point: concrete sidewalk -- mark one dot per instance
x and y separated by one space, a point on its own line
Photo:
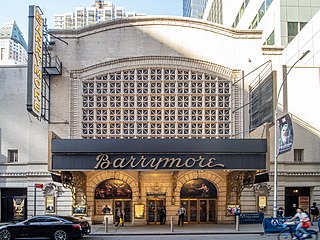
187 229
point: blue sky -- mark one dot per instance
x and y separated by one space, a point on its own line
18 9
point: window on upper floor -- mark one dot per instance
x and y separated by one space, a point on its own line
268 3
302 24
270 40
294 28
298 155
12 155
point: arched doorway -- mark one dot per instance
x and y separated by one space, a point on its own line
114 193
199 197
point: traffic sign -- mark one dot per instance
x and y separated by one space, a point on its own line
38 185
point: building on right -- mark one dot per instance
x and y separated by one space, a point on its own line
290 28
194 8
280 20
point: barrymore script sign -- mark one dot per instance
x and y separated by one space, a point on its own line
147 161
104 161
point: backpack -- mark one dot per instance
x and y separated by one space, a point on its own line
314 210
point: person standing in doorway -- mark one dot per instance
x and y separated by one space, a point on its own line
163 213
314 212
181 213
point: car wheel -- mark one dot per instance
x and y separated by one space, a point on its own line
5 235
60 235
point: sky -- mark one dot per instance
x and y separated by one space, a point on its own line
18 9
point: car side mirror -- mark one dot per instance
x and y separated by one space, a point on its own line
26 223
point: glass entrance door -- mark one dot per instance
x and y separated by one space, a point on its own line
193 211
200 210
203 210
124 205
154 208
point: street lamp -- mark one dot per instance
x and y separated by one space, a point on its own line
275 179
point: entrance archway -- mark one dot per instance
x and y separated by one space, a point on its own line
199 197
112 194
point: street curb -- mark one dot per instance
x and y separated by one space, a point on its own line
172 233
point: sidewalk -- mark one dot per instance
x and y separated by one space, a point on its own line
187 229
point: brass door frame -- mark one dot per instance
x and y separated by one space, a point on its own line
157 218
198 209
122 200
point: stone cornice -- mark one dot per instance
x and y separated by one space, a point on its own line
24 174
149 61
311 174
295 163
22 163
157 20
272 50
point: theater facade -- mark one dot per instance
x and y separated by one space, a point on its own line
148 113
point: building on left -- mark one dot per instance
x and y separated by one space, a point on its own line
26 186
13 47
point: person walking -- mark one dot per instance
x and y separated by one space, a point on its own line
314 212
120 217
181 213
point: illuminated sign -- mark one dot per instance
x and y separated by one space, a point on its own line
35 61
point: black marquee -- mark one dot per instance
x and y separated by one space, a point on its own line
158 154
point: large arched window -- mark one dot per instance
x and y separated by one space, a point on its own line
198 188
110 189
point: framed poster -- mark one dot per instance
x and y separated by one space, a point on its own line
233 209
139 210
18 209
103 206
79 210
50 204
262 203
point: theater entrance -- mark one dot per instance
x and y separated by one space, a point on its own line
114 195
154 209
200 210
199 196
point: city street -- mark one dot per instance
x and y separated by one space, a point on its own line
188 237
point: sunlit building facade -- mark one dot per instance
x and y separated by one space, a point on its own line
161 110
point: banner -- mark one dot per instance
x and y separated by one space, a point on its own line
273 225
285 138
251 217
